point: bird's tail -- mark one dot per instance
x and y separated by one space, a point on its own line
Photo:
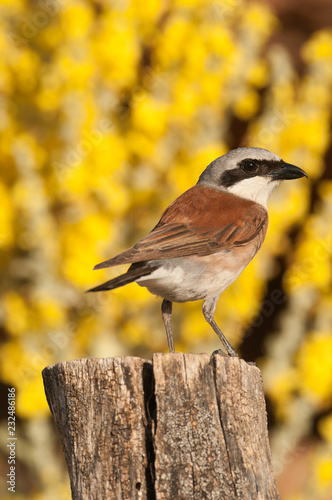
122 280
134 272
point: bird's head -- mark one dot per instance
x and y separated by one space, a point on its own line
251 173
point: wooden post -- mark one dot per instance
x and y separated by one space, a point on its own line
186 426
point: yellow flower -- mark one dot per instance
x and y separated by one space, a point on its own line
17 313
79 242
5 79
314 363
6 217
246 105
140 143
319 47
25 65
145 13
219 41
48 99
49 312
183 175
150 116
190 3
312 266
31 401
324 470
281 390
115 50
259 19
178 33
13 363
258 74
325 428
76 20
185 100
194 328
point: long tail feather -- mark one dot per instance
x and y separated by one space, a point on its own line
122 280
131 275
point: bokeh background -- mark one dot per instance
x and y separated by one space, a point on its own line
108 111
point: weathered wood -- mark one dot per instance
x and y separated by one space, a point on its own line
191 457
242 411
186 426
99 410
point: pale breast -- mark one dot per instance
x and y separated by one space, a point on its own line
197 277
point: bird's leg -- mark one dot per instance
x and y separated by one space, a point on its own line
166 311
209 307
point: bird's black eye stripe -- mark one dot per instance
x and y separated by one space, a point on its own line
249 166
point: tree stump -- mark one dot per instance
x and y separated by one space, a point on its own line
185 426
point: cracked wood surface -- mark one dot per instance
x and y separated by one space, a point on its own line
186 426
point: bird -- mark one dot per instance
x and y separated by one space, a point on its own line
207 236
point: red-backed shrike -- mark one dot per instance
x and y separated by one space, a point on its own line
207 236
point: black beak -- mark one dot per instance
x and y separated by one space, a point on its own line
287 171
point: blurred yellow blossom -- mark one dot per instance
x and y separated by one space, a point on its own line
259 19
314 362
177 34
31 401
247 105
258 74
78 248
76 20
150 117
118 66
6 217
324 470
146 11
49 312
318 47
282 390
16 313
325 428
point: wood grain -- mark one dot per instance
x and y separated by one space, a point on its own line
186 426
99 410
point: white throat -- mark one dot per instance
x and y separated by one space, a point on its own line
257 189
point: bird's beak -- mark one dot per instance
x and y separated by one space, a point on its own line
287 171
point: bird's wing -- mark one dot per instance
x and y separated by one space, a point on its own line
201 221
